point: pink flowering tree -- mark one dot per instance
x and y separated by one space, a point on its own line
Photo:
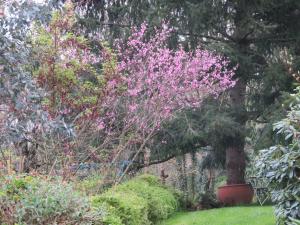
117 102
158 83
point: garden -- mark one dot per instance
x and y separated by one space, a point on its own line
130 112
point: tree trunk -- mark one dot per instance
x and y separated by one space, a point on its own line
235 165
193 175
235 155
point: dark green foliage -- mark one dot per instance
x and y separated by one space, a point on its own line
190 131
280 165
143 200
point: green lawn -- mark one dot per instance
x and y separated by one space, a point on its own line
252 215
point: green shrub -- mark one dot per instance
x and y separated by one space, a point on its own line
150 179
155 181
161 202
178 195
15 186
129 207
140 201
111 216
27 200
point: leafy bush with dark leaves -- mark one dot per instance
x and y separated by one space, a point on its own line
280 165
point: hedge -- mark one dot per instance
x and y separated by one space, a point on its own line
140 201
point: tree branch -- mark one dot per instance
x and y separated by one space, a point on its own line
219 39
154 162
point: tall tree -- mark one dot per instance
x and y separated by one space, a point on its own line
254 34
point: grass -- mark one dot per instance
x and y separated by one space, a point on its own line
252 215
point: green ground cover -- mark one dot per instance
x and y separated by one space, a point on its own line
252 215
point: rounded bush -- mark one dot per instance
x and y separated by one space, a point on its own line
161 202
150 179
140 201
128 206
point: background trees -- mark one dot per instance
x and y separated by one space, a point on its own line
250 33
107 102
22 116
164 85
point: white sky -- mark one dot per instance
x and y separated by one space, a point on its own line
39 1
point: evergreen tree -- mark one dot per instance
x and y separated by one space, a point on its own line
261 36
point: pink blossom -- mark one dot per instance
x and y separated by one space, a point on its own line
133 92
101 125
132 108
161 82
